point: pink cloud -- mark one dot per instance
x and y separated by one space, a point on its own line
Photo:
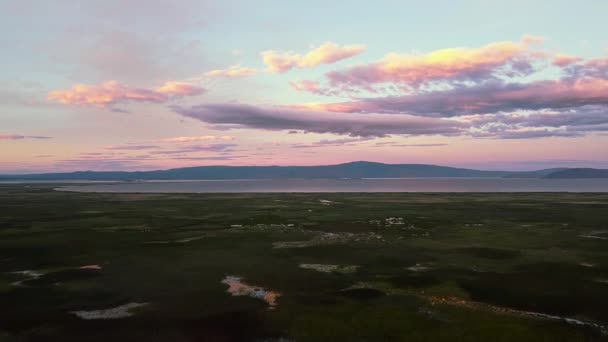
529 39
415 70
306 86
132 147
488 97
279 62
173 88
561 60
340 107
333 142
222 147
235 116
328 53
597 67
200 138
232 72
113 92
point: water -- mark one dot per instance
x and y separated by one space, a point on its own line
353 185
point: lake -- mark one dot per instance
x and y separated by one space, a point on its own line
351 185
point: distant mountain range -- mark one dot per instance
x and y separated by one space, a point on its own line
579 173
360 169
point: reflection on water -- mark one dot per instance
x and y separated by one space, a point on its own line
237 287
354 185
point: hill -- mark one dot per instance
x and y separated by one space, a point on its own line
578 173
534 174
360 169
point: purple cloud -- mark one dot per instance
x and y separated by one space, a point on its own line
132 147
332 142
198 148
232 116
489 97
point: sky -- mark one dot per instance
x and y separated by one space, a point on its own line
158 84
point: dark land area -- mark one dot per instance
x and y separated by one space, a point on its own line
302 267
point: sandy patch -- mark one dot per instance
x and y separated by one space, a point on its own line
164 242
503 310
418 268
325 268
275 227
594 237
91 267
122 311
391 221
31 275
322 238
237 287
394 221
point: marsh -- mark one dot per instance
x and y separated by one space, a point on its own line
287 266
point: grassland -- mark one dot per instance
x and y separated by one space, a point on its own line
339 267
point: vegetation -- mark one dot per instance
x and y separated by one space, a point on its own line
339 267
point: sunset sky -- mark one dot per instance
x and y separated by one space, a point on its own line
151 84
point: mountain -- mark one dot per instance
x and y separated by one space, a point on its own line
578 173
534 174
360 169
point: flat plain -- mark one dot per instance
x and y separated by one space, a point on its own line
302 267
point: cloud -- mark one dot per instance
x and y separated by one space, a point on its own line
173 88
230 116
199 138
157 16
504 59
232 72
112 92
209 158
583 116
332 142
5 136
279 62
106 52
561 60
313 87
526 133
488 97
327 53
569 106
198 148
596 68
393 144
16 94
537 124
132 147
99 39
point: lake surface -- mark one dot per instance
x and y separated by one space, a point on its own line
352 185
